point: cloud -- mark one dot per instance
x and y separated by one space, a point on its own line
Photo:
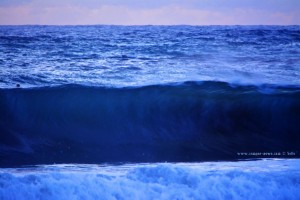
165 12
271 5
6 3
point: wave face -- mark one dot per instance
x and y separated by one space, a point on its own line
262 179
192 121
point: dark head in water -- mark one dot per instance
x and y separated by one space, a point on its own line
18 85
124 57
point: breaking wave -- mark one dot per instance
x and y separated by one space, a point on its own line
191 121
263 179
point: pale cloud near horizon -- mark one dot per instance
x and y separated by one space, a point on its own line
163 12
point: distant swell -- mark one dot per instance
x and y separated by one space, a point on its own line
181 122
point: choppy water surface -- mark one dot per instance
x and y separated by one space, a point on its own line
35 56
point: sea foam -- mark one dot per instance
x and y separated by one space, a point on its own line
262 179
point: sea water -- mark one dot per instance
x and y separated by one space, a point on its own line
261 179
36 56
149 112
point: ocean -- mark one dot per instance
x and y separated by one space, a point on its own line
149 112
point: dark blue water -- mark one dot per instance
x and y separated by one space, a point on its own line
96 94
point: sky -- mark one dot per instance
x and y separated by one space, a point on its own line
150 12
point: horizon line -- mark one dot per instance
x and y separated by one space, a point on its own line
149 25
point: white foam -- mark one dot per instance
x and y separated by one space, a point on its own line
263 179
